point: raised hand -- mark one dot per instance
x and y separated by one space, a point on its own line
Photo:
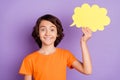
87 33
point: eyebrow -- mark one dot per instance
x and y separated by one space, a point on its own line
44 26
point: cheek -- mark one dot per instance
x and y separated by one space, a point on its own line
55 34
40 34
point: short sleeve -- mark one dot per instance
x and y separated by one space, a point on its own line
26 67
70 59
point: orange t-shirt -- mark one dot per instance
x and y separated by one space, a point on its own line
47 67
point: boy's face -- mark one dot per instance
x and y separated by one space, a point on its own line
47 32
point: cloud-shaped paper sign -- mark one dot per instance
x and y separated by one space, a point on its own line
93 17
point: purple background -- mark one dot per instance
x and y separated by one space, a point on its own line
17 18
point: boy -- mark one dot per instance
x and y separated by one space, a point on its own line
50 62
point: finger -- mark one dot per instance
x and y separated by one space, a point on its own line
85 30
89 30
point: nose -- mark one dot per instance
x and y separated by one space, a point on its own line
47 32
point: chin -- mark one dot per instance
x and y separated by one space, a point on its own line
48 44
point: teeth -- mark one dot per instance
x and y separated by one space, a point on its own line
47 38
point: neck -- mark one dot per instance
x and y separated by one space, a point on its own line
47 49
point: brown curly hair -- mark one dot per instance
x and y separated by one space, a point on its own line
55 21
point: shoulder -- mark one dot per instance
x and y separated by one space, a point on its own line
64 51
31 56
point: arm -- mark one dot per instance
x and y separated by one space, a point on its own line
27 77
84 67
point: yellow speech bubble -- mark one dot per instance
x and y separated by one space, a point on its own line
92 17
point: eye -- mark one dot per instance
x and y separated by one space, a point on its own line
42 29
52 30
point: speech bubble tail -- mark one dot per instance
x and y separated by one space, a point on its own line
72 24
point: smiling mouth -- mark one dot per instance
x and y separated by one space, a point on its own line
47 38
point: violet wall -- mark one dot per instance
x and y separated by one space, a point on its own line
17 18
